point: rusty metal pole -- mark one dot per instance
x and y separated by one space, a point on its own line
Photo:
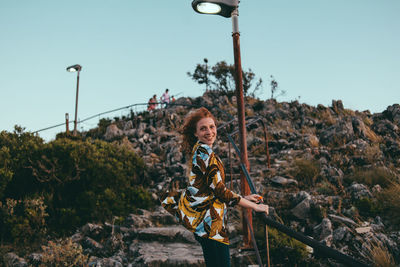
76 102
244 187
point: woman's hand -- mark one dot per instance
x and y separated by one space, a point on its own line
254 198
261 208
249 203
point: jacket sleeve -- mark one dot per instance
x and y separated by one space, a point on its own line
206 166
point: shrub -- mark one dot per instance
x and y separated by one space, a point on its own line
382 176
63 253
24 221
368 207
389 202
306 171
5 169
282 248
80 180
326 188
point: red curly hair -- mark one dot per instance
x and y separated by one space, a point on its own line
189 127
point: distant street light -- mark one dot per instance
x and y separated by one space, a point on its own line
76 68
229 8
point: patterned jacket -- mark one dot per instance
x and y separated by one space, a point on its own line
201 207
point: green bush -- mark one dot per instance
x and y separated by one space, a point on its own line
282 248
306 171
80 180
389 203
24 221
368 207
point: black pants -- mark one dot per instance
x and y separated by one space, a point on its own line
216 254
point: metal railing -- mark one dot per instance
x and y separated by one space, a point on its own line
317 246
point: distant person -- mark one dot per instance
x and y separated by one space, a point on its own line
152 104
165 98
172 99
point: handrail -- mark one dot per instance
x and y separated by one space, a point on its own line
139 104
321 248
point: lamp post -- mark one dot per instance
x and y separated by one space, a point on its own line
75 68
229 8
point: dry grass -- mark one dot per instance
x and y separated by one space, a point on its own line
306 171
389 200
372 153
380 256
327 117
381 176
372 136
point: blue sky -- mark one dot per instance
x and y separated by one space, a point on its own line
317 50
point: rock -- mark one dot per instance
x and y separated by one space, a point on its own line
333 174
359 191
112 131
283 181
128 125
341 219
301 211
105 262
363 230
35 259
393 113
300 196
359 127
12 260
324 229
166 234
137 221
92 247
166 254
341 132
340 233
92 230
337 106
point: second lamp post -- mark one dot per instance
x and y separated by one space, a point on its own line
76 68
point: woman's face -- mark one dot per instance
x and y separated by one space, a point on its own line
206 131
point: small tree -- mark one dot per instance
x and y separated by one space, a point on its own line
275 89
221 77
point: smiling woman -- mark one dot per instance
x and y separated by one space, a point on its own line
202 206
206 131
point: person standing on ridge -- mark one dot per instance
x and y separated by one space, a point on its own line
165 98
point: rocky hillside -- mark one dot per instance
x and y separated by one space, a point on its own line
334 176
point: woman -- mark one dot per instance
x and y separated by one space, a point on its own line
202 205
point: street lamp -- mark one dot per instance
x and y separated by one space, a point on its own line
76 68
215 7
229 8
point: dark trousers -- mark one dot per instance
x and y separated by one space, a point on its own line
216 254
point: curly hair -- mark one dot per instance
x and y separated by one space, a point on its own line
189 127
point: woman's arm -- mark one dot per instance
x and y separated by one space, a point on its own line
244 203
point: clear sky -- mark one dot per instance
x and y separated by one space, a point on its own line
317 50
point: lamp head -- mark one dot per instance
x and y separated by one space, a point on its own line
74 68
216 7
